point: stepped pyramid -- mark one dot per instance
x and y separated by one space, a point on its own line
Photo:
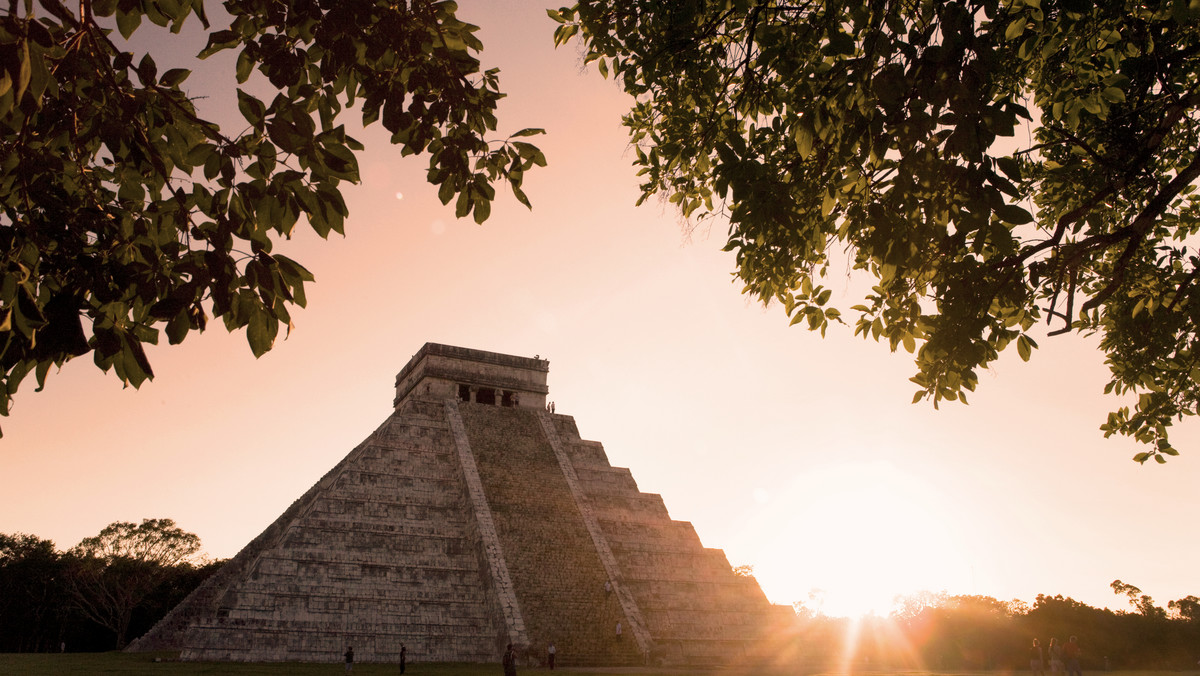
473 518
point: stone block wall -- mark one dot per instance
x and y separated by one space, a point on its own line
377 555
436 371
695 608
556 571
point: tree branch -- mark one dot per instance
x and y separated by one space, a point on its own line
1136 231
1060 229
1066 133
1187 281
1070 305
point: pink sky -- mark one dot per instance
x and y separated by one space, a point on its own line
800 456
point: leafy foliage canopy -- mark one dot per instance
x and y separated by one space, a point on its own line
124 211
987 163
113 572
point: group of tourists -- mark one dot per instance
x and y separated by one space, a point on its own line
1063 658
349 657
509 661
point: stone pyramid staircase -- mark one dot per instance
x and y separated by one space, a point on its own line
377 554
696 609
555 569
472 518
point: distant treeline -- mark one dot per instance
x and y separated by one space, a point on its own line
110 589
99 595
943 632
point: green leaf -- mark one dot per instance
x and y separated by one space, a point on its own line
24 72
252 109
135 365
177 328
1010 167
522 197
803 137
1011 213
463 206
563 33
828 203
132 192
245 65
261 331
147 71
1015 28
128 20
174 77
446 192
529 152
292 270
483 209
341 162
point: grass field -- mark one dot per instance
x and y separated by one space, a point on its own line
101 664
144 664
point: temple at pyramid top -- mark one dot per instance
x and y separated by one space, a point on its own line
478 376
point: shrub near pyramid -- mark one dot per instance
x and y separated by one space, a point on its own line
470 519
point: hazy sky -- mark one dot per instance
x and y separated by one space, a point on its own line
800 456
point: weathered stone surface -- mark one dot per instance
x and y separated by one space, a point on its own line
470 519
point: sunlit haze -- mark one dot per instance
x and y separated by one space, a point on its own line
800 456
879 531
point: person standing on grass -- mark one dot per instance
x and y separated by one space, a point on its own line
349 658
1055 650
510 661
1036 664
403 657
1071 653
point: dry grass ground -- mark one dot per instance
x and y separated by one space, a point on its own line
121 664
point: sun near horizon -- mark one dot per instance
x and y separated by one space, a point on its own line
865 533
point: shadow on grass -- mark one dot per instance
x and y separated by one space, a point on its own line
166 664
